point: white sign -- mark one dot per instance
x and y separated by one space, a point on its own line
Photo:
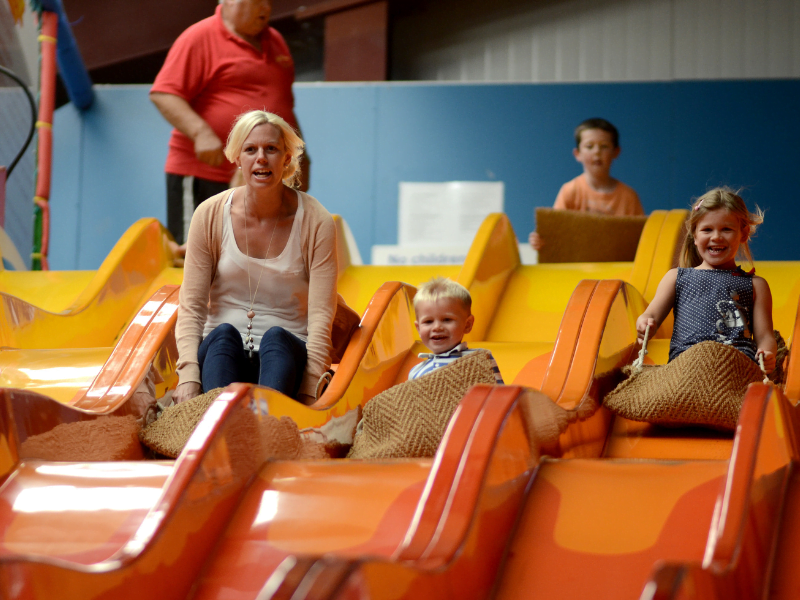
418 255
445 214
435 255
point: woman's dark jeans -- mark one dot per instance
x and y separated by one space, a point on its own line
279 363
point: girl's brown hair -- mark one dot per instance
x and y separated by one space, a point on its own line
721 197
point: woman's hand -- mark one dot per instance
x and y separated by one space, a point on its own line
641 326
769 359
306 399
186 391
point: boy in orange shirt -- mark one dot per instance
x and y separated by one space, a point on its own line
595 191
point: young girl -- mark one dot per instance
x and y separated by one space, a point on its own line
713 298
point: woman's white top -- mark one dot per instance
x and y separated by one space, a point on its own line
282 298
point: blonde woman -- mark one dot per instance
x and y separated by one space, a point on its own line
259 289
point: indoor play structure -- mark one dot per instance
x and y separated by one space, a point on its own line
611 509
630 508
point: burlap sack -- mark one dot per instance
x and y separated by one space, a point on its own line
170 432
409 419
705 385
544 420
282 440
571 236
101 439
269 437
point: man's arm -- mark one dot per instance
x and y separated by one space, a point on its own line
179 113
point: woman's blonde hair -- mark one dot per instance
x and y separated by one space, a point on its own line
441 287
721 197
246 122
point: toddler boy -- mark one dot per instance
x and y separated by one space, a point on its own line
443 311
595 191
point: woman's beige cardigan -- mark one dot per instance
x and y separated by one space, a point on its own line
318 244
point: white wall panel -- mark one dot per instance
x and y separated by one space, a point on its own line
520 56
795 41
598 40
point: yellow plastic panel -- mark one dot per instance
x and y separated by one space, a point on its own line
637 499
535 297
512 356
492 258
646 248
784 283
357 285
37 287
100 311
595 528
59 374
666 251
307 494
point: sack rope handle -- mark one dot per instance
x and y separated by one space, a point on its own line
639 362
763 370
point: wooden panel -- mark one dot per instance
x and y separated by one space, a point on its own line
356 43
112 31
282 9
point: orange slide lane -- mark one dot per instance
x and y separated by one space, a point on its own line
461 506
486 461
617 525
142 530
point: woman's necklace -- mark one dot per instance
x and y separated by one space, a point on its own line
248 340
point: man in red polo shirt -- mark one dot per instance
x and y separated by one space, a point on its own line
218 68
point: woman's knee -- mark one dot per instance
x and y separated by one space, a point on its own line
279 344
226 331
224 338
276 336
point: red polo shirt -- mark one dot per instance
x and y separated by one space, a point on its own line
221 76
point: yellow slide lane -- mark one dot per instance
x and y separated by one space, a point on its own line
57 328
518 308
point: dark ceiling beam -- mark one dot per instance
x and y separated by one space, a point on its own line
327 7
284 9
113 31
357 42
356 35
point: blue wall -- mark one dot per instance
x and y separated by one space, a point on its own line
678 139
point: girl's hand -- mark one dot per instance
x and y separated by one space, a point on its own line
769 359
186 391
641 326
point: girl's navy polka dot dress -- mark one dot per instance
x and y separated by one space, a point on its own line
716 305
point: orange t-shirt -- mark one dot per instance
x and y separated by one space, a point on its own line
578 195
